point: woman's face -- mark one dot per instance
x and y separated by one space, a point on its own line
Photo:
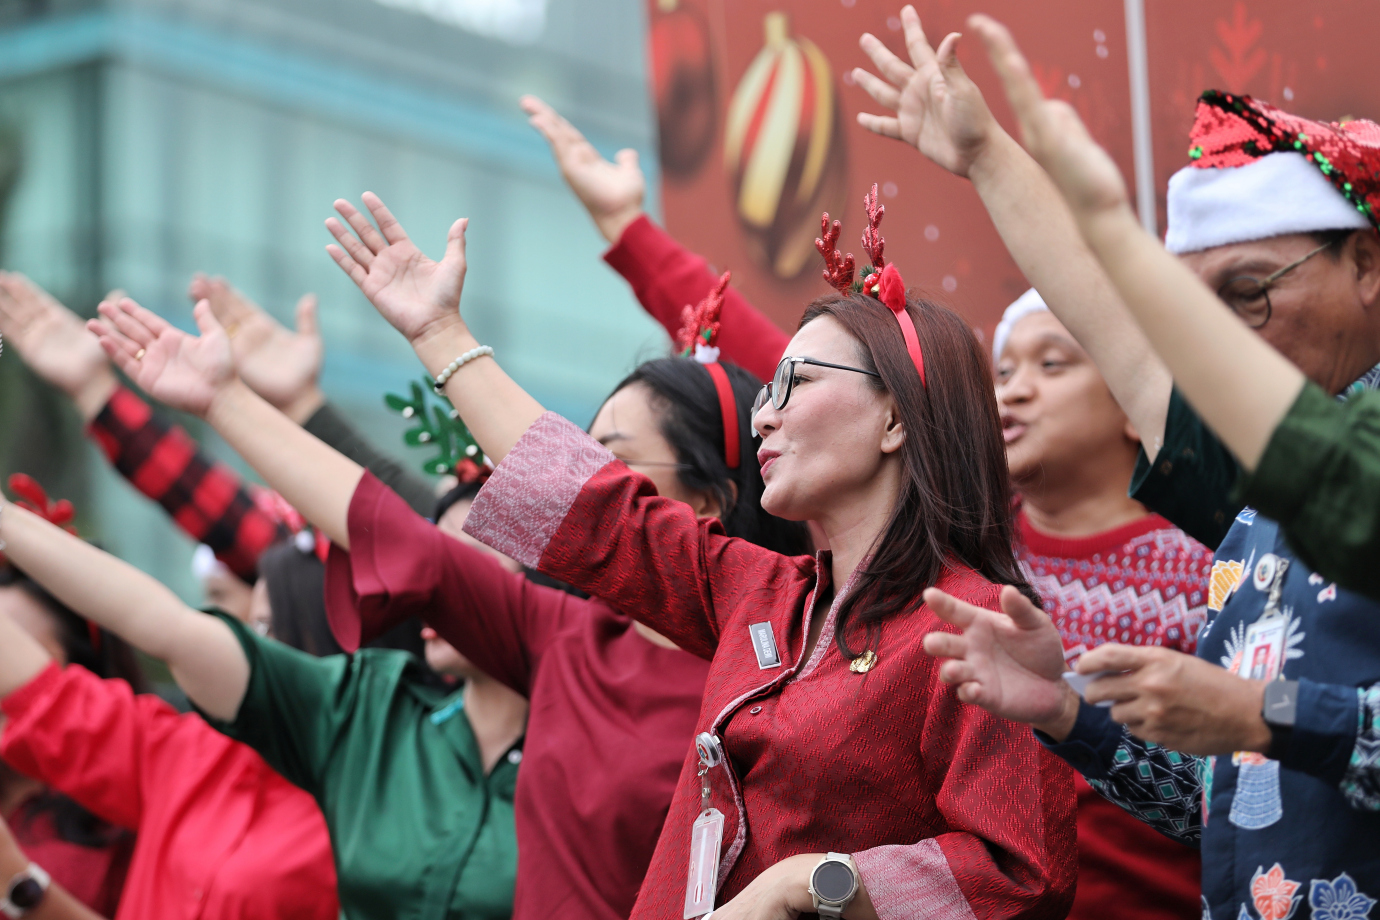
34 619
629 425
826 447
441 656
259 617
452 523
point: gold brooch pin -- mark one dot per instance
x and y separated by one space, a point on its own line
864 662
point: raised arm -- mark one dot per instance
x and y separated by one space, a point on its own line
57 903
1239 384
200 650
942 113
665 276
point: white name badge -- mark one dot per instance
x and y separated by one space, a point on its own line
1263 657
706 838
764 644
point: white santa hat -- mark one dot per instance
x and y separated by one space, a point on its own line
1028 303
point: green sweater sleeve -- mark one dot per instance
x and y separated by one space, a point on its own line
1320 478
328 424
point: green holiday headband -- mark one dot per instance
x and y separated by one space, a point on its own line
439 427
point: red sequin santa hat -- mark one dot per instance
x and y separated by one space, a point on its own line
698 339
32 497
881 279
1259 172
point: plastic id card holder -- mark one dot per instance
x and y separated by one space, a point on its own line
706 839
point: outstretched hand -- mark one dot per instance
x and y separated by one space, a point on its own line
280 365
183 371
54 343
1051 130
611 192
939 110
1008 663
418 296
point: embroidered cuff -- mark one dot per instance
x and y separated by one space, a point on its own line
521 506
1091 746
912 881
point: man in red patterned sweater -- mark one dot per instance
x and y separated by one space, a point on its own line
1106 568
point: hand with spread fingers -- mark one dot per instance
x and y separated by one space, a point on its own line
612 192
1178 701
280 365
1008 663
939 110
54 343
183 371
418 296
1052 131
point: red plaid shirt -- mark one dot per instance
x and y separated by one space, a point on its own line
208 500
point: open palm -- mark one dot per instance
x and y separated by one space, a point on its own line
180 370
51 339
274 361
1008 663
939 110
412 292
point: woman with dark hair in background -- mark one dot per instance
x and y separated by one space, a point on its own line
84 854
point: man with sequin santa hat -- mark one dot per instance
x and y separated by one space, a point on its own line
1265 748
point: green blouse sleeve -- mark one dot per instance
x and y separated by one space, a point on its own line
1191 481
1320 478
295 707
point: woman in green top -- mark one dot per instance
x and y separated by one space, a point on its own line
416 782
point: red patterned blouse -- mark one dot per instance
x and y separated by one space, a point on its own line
949 812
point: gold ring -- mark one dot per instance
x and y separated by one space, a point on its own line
231 329
139 356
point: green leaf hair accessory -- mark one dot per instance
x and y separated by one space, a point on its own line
439 427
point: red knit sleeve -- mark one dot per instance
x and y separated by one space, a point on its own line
206 499
85 737
666 277
562 503
1012 850
400 566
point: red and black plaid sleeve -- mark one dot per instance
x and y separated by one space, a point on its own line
208 500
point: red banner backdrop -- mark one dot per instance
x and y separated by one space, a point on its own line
759 133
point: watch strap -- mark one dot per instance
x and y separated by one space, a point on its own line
834 909
32 872
1279 709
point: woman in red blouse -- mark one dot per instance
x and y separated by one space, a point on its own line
825 727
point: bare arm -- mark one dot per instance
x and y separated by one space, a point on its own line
21 657
57 904
202 653
942 113
1239 385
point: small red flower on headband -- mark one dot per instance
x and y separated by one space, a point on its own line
467 471
32 497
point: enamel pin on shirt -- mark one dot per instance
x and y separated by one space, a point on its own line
706 835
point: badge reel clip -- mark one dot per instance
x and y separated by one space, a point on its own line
706 835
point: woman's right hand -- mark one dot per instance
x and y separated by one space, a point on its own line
611 192
418 296
1009 663
53 342
183 371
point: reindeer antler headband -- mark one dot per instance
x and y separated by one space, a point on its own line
698 336
880 279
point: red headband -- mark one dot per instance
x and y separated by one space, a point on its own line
881 279
698 334
32 497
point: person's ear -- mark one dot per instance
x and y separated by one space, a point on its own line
1365 248
894 435
1130 432
706 504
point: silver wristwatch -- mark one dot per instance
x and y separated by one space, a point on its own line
25 892
833 884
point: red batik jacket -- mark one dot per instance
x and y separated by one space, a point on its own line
949 812
206 499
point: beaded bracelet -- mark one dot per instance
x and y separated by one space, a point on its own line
440 385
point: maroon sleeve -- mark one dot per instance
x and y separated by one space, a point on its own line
206 499
666 278
400 566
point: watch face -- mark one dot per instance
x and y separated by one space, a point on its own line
833 881
27 894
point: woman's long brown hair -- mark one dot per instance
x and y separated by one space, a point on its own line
955 503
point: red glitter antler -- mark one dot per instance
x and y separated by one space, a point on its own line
838 268
872 238
33 498
700 323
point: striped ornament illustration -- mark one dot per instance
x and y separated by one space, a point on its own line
783 147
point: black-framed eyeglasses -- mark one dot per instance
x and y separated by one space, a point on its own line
1249 298
779 390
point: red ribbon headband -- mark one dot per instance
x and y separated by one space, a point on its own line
698 338
881 280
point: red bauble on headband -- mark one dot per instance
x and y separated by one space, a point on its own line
698 336
880 280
